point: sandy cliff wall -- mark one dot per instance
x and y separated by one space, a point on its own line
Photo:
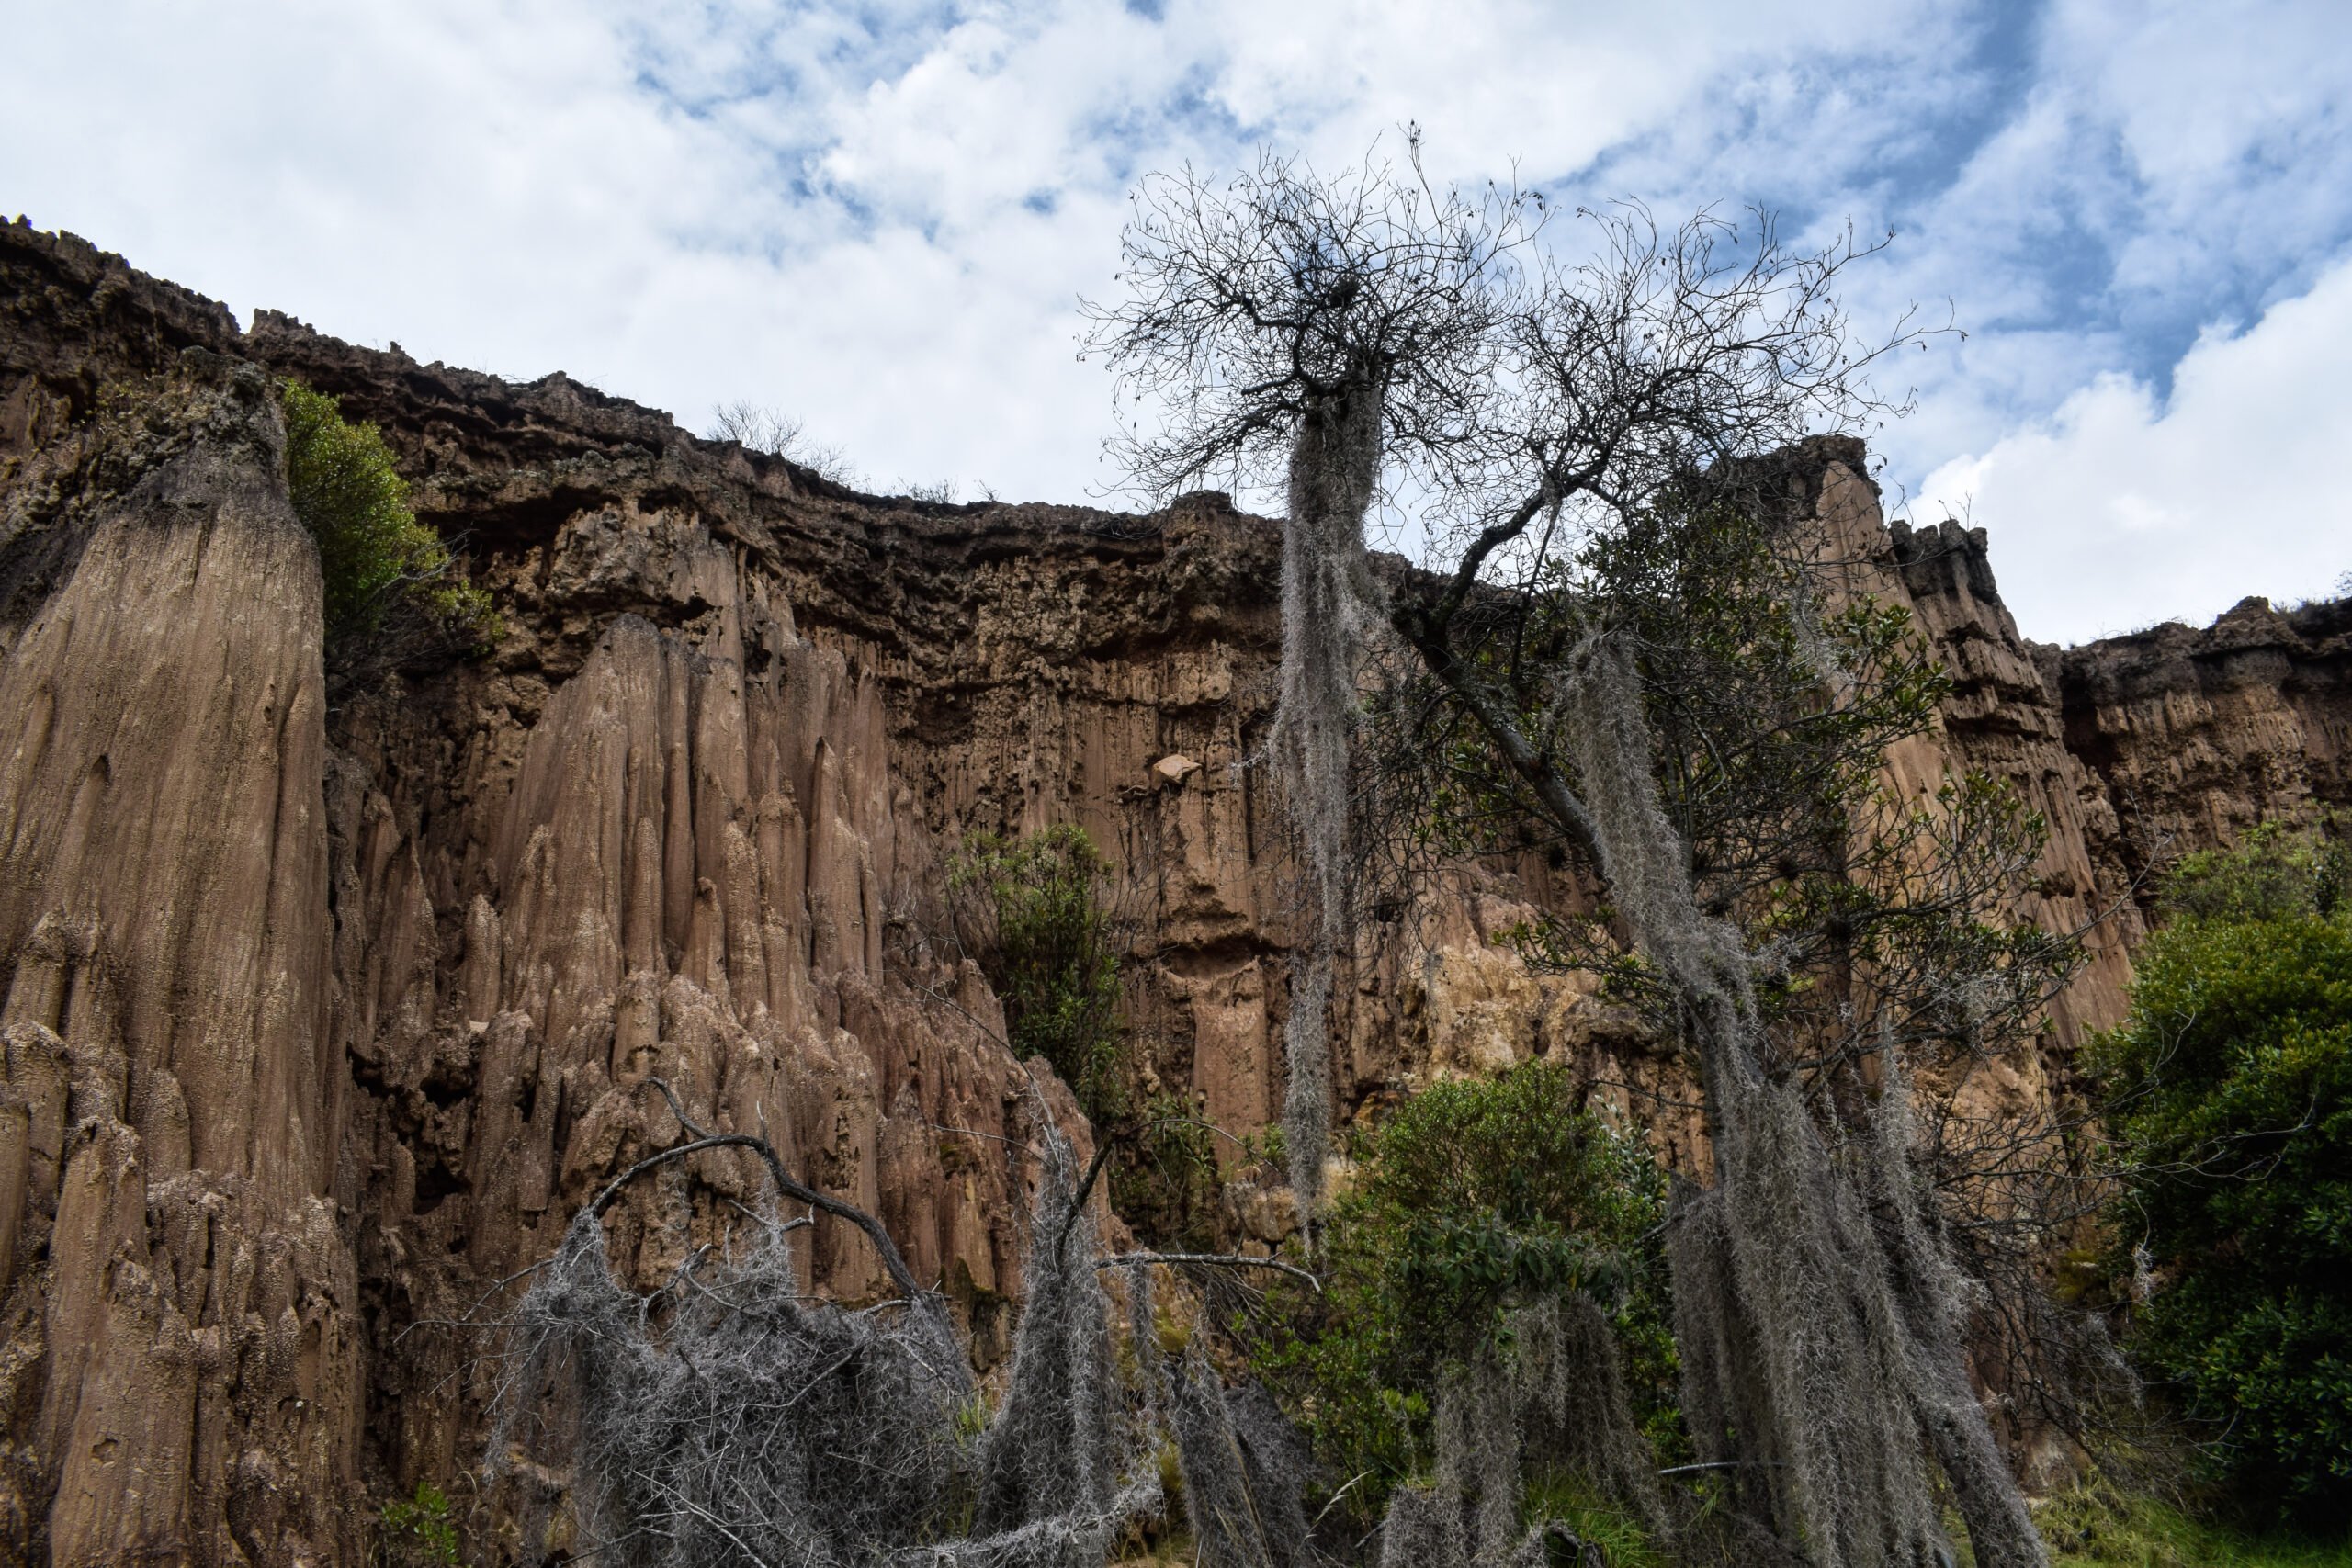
2198 734
318 1024
182 1352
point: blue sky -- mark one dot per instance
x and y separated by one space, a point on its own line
878 217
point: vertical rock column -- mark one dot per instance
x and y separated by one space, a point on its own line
180 1369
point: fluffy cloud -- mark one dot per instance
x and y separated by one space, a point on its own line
2126 508
880 217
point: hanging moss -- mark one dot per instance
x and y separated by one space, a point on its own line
1838 1344
1327 587
729 1418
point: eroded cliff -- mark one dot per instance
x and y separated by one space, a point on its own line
320 1024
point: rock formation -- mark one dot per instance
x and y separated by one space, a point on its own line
320 1024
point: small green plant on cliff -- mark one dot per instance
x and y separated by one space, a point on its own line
2229 1095
1470 1198
419 1531
1035 911
392 589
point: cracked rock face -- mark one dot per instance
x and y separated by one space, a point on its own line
184 1352
318 1025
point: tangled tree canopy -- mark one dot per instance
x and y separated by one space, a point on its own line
1626 649
729 1419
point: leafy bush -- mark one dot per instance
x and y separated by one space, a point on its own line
2274 875
2229 1094
1035 911
1468 1199
418 1531
383 570
1043 935
1164 1175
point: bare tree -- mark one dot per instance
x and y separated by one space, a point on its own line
1326 329
1628 656
779 434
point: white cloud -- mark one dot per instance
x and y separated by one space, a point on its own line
822 207
2123 509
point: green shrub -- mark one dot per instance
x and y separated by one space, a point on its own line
1164 1175
418 1531
2229 1095
1035 911
2274 875
379 566
1467 1199
1040 928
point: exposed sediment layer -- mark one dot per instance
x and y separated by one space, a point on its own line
320 1023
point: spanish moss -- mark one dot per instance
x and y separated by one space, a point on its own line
1545 1396
727 1418
1327 587
1817 1307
